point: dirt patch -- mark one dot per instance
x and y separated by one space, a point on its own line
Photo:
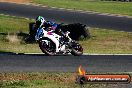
16 1
12 38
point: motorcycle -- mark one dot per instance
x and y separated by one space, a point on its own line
49 43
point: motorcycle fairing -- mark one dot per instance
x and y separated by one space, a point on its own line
49 34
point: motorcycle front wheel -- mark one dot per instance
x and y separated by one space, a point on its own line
48 49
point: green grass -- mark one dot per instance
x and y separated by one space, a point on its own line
123 8
10 26
101 41
108 41
46 80
13 24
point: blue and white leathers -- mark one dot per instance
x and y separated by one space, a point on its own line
39 34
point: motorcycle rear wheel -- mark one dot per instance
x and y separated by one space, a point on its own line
77 49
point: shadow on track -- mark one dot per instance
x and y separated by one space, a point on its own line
7 53
23 54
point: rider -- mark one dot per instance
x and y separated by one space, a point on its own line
50 25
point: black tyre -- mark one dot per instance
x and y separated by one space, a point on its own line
81 80
76 30
32 29
77 49
85 33
49 49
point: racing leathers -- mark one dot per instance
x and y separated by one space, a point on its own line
50 25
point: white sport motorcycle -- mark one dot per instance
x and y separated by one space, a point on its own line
49 43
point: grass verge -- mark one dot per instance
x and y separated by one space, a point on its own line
47 80
123 8
108 41
14 31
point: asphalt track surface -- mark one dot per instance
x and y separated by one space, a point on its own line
10 62
65 16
